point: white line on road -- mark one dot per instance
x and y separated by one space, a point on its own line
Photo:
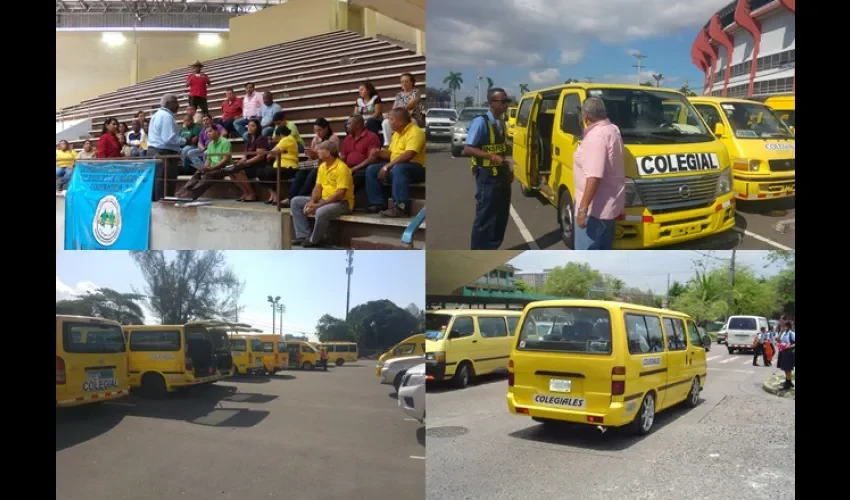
711 358
728 360
763 239
729 370
526 234
410 420
417 458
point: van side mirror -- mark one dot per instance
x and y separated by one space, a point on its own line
719 130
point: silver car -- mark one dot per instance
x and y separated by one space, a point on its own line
461 127
394 369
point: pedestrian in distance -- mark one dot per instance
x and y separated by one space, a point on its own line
323 357
487 145
787 353
758 347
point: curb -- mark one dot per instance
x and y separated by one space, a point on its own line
773 386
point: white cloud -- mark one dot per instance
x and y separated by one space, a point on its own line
633 52
546 76
65 292
645 76
571 56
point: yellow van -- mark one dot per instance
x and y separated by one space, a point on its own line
165 358
248 354
678 175
761 146
464 343
275 355
91 361
411 346
511 121
784 106
608 364
341 352
302 355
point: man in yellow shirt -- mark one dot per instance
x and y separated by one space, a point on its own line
332 197
400 166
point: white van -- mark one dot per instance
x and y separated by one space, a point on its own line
741 330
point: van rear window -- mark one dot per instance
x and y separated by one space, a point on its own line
268 346
742 324
238 345
159 341
573 329
92 338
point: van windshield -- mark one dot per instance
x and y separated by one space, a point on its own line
742 324
754 121
435 325
652 116
570 329
92 338
238 345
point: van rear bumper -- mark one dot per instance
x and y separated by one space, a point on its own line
618 413
68 400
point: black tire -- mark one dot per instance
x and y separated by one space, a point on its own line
397 381
457 152
235 371
462 375
693 395
645 418
307 366
528 193
340 362
731 351
153 386
566 219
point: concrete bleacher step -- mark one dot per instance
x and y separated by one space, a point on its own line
382 243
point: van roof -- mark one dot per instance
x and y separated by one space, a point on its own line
781 98
87 319
601 86
604 303
478 312
708 98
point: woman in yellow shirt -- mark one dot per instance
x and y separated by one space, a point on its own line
287 147
65 158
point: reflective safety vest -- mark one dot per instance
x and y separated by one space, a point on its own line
496 144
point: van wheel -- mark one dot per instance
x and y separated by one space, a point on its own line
340 362
397 381
235 371
693 395
153 386
566 219
645 417
462 376
307 366
731 351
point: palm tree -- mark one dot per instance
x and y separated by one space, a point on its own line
523 88
489 84
454 80
686 90
658 77
468 101
571 80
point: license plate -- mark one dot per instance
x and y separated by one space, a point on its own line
100 381
561 401
560 385
259 362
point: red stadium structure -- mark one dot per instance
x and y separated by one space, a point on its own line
742 32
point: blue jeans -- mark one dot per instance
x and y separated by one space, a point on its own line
188 161
400 177
303 183
597 235
137 152
241 126
64 173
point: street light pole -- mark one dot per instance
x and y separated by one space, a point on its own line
349 270
640 57
280 309
273 302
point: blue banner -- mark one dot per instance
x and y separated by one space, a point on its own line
108 205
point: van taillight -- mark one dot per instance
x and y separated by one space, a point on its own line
618 387
60 371
511 373
189 365
250 358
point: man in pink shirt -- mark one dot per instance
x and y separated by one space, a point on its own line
600 179
251 104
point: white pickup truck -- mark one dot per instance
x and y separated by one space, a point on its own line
439 122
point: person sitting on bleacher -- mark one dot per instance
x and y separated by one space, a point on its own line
408 99
254 164
88 152
126 151
401 165
135 138
107 144
65 158
287 162
279 120
332 197
142 117
194 156
356 147
369 106
191 132
267 112
323 132
218 154
195 113
251 104
143 146
231 110
122 129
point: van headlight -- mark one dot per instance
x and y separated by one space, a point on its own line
744 165
438 356
632 194
724 182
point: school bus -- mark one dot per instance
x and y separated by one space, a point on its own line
248 355
91 361
302 355
678 184
784 106
275 355
341 352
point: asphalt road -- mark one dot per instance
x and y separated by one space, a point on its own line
534 225
716 451
297 435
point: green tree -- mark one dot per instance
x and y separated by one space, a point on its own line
105 303
676 290
647 84
522 286
785 281
331 329
574 280
686 90
706 296
193 285
658 77
489 84
523 88
379 324
571 80
454 80
468 101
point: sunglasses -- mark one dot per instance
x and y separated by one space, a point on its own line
503 101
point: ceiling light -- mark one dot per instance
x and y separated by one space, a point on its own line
113 39
209 39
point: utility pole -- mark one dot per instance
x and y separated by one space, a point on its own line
478 92
732 278
274 302
665 302
280 309
640 57
349 270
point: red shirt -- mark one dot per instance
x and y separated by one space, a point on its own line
356 149
231 110
197 84
108 146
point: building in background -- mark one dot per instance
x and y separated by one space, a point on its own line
535 280
740 33
500 279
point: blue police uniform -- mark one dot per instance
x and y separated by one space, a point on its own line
492 183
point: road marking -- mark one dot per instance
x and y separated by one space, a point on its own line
713 357
762 239
730 370
410 420
526 234
417 458
119 403
728 360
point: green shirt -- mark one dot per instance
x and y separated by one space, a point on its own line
216 149
188 133
294 129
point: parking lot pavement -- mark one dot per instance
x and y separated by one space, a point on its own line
477 450
297 435
534 224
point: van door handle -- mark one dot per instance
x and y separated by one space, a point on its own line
557 150
474 341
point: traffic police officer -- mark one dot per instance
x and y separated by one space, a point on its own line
487 145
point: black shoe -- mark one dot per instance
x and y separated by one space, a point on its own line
755 364
298 242
310 244
373 209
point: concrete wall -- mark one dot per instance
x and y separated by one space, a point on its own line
201 228
282 23
87 67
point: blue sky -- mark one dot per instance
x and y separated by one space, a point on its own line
544 42
310 283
